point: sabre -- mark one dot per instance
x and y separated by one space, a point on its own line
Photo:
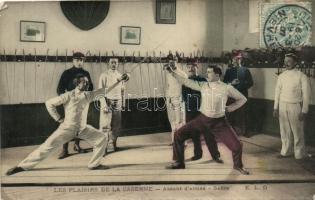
41 91
54 70
148 69
106 61
124 61
7 80
154 58
162 42
162 74
138 64
35 73
24 75
14 73
66 59
141 76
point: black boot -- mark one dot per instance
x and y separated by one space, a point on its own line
14 170
64 152
77 148
242 170
176 165
196 157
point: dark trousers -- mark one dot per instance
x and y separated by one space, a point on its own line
202 124
238 120
212 143
115 124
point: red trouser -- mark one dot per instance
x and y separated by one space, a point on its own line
211 142
202 124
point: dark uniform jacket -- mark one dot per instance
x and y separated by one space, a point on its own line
66 80
192 98
244 76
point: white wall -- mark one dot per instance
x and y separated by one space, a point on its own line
265 81
198 26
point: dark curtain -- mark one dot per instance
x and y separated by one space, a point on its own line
85 14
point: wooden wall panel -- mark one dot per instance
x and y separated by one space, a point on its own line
29 92
18 82
11 78
30 82
4 83
132 86
54 71
42 76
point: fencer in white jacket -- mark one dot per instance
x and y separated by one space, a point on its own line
72 125
174 102
292 96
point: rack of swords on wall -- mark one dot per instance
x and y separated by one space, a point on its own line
134 57
32 78
273 58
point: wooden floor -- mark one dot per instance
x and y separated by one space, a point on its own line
140 164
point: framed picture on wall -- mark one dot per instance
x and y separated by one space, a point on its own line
32 31
130 35
166 11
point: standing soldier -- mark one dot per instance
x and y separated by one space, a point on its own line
241 79
111 106
292 96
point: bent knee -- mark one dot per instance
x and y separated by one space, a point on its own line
103 139
237 146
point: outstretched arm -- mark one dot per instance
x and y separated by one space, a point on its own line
104 90
182 78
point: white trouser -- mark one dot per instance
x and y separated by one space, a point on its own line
63 134
111 121
291 130
175 112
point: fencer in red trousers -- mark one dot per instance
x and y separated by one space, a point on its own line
212 120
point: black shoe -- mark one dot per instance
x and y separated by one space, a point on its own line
115 145
176 166
14 170
247 135
242 170
100 167
281 156
63 155
218 160
196 157
78 149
